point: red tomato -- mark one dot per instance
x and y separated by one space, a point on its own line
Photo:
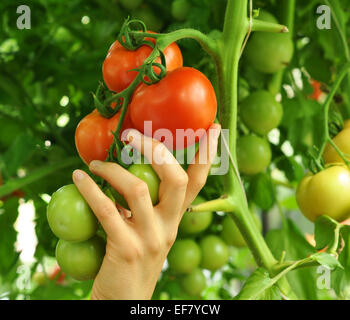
57 274
119 61
93 136
183 99
317 92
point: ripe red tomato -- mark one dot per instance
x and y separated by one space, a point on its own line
57 275
119 61
93 136
183 99
317 92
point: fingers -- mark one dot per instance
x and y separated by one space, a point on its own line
103 207
198 171
173 178
134 190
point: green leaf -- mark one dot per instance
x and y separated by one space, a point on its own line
46 239
290 240
324 232
21 150
344 257
327 260
259 286
341 276
302 121
292 169
262 191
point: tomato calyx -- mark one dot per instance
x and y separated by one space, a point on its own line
133 41
151 72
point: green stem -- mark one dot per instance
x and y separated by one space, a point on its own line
342 34
288 14
237 24
287 18
208 44
236 27
221 204
263 26
333 249
165 39
326 106
305 263
340 30
340 153
41 173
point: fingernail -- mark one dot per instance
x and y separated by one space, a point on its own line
95 164
133 135
78 175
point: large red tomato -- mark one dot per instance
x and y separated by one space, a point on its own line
119 61
93 136
183 99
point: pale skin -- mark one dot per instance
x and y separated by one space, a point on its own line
138 242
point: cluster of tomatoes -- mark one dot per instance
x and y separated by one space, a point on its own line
260 112
328 191
80 250
196 248
184 99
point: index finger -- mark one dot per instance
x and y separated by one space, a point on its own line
198 171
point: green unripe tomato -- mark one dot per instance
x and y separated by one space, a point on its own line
184 256
180 9
243 89
81 260
195 222
325 193
267 16
253 154
261 112
269 52
146 173
194 283
215 252
231 234
131 4
69 215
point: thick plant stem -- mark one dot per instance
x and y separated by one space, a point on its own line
235 30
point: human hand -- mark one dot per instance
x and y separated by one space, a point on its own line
137 246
